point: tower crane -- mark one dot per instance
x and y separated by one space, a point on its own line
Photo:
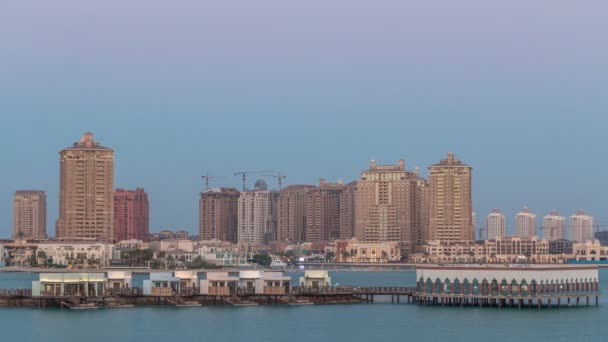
245 173
207 178
279 178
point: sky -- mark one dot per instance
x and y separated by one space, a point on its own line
517 89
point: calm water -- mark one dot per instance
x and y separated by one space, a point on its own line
377 322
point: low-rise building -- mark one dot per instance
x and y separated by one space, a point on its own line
118 280
560 246
508 249
69 284
161 284
372 252
219 283
169 245
264 282
589 251
223 255
78 254
315 279
131 245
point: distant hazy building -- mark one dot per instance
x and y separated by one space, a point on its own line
131 215
451 205
292 203
554 226
218 214
525 223
495 224
385 206
86 202
420 225
347 211
254 215
29 215
323 212
581 227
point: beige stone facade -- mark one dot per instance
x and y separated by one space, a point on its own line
451 206
86 204
29 215
385 206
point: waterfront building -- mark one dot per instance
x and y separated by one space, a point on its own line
347 211
77 254
581 227
187 279
292 206
219 283
265 282
385 206
69 284
161 284
451 205
131 215
118 280
525 223
29 215
315 279
86 203
255 210
495 225
218 214
323 212
19 253
505 284
506 249
589 251
554 226
356 251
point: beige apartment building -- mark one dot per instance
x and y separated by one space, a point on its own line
525 223
451 205
256 210
292 206
29 215
86 203
218 214
323 212
385 205
554 226
420 225
495 224
581 227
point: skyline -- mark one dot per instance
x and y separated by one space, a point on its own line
516 90
480 220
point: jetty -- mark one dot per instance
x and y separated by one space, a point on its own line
515 286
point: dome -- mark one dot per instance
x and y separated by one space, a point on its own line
260 184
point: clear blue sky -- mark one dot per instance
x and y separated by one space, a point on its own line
517 89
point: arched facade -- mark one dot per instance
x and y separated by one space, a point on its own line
505 281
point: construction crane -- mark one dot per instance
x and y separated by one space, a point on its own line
207 178
245 173
279 178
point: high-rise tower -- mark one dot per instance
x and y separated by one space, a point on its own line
451 205
86 203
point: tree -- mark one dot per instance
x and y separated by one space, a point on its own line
262 259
